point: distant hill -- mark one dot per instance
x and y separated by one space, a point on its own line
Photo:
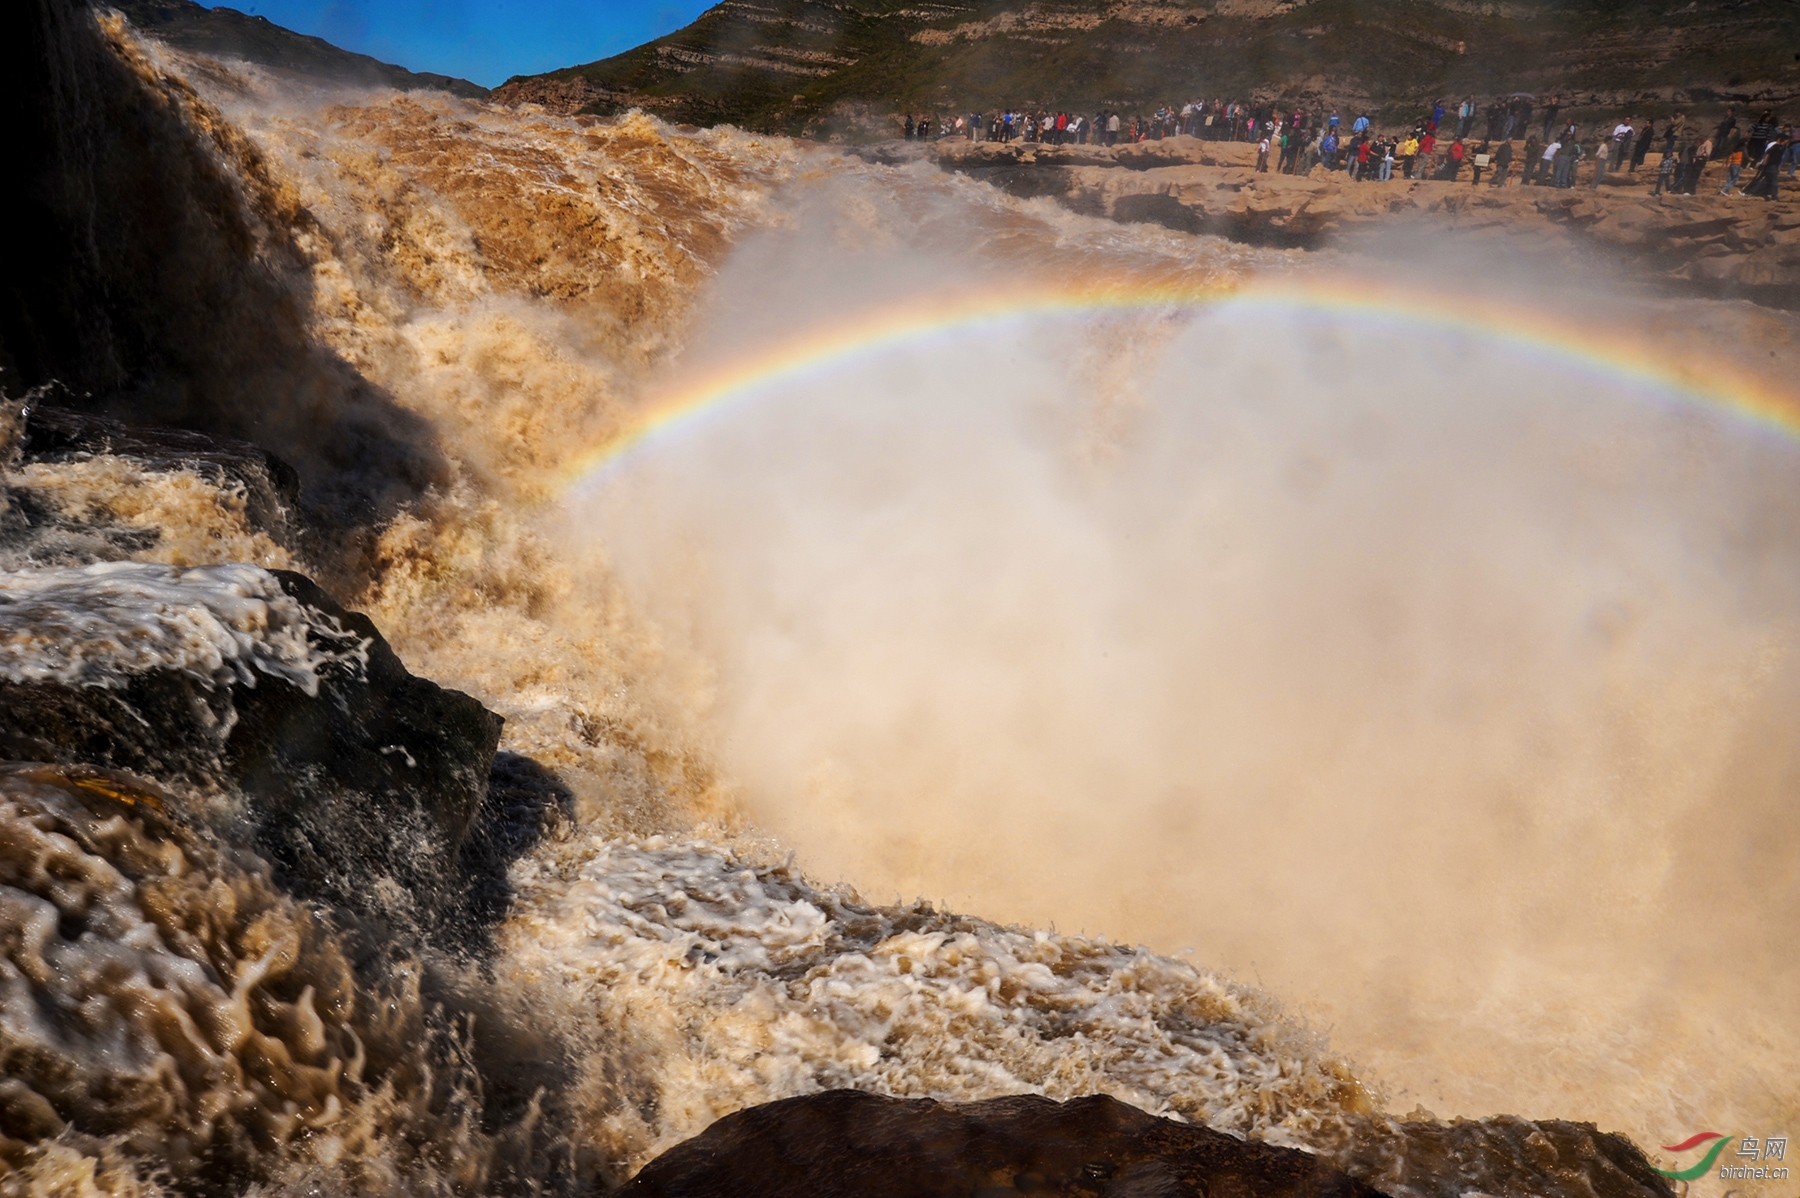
815 66
228 33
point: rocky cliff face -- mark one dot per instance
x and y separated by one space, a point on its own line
805 66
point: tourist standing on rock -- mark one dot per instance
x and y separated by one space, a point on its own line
1502 164
1427 153
1479 162
1767 183
1465 116
1547 163
1570 163
1761 134
1262 156
1387 159
1533 149
1692 166
1642 150
1454 160
1621 147
1734 141
1409 153
1665 176
1727 128
1734 166
1602 153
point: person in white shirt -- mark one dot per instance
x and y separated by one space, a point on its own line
1547 163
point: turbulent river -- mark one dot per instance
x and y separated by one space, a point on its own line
1399 646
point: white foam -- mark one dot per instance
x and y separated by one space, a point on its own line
100 625
725 985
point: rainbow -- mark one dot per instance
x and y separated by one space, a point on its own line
822 348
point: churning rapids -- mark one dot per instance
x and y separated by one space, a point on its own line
1421 694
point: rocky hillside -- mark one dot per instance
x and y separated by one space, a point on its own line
227 33
816 66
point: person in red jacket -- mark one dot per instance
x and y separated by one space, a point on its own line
1458 152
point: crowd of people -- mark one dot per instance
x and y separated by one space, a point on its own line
1440 145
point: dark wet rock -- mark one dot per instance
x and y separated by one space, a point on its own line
358 785
525 802
846 1144
1504 1155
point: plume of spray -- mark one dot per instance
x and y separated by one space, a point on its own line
1435 682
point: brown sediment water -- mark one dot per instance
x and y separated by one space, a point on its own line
1418 699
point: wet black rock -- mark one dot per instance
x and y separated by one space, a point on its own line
361 794
846 1144
1422 1157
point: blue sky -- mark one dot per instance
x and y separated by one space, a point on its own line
483 40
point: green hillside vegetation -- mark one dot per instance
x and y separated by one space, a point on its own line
808 66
